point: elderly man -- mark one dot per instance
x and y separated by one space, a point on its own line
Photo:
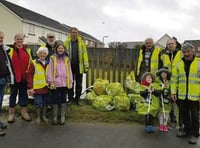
149 59
51 44
185 85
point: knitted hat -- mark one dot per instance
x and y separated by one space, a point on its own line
187 46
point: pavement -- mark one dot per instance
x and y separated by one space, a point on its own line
88 135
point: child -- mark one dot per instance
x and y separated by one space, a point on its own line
164 75
149 94
60 80
37 84
6 76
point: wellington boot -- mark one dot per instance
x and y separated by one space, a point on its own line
38 118
62 114
44 118
55 114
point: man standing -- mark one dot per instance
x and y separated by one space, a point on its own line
149 59
77 52
186 83
51 44
170 58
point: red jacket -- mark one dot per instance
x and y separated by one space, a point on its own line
20 61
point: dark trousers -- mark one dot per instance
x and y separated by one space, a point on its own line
189 111
149 119
2 89
59 95
78 78
21 89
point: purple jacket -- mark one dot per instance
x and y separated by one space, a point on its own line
61 76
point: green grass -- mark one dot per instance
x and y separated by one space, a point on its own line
86 113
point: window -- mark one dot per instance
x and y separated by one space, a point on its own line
31 30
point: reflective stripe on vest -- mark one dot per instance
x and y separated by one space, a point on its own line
193 81
167 62
154 61
39 78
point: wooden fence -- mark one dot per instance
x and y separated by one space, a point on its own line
112 64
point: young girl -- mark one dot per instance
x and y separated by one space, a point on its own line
60 80
150 102
37 83
164 75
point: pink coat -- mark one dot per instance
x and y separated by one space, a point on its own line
61 76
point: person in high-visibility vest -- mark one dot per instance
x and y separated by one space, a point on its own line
149 59
78 55
37 84
21 59
170 57
185 86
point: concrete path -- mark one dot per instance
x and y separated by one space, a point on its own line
84 135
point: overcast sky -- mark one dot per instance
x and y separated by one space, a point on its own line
124 20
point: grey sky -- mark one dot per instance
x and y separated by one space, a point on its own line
127 20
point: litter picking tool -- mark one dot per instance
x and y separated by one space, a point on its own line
87 89
163 108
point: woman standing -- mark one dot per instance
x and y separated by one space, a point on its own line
21 59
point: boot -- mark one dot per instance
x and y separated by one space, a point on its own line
55 114
2 132
38 111
11 115
78 101
44 118
63 111
24 114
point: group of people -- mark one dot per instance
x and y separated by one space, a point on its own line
177 70
50 77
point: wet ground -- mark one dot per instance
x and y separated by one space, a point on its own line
84 135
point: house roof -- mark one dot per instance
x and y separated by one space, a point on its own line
193 42
32 16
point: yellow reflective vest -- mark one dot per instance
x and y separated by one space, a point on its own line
171 64
154 61
82 53
39 77
179 81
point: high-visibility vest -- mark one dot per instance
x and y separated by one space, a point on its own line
39 78
28 50
82 53
154 61
171 64
66 61
178 81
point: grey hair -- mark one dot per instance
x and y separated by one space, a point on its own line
187 46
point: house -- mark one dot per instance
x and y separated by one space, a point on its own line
161 42
34 26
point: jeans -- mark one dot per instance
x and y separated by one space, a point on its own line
2 89
21 89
